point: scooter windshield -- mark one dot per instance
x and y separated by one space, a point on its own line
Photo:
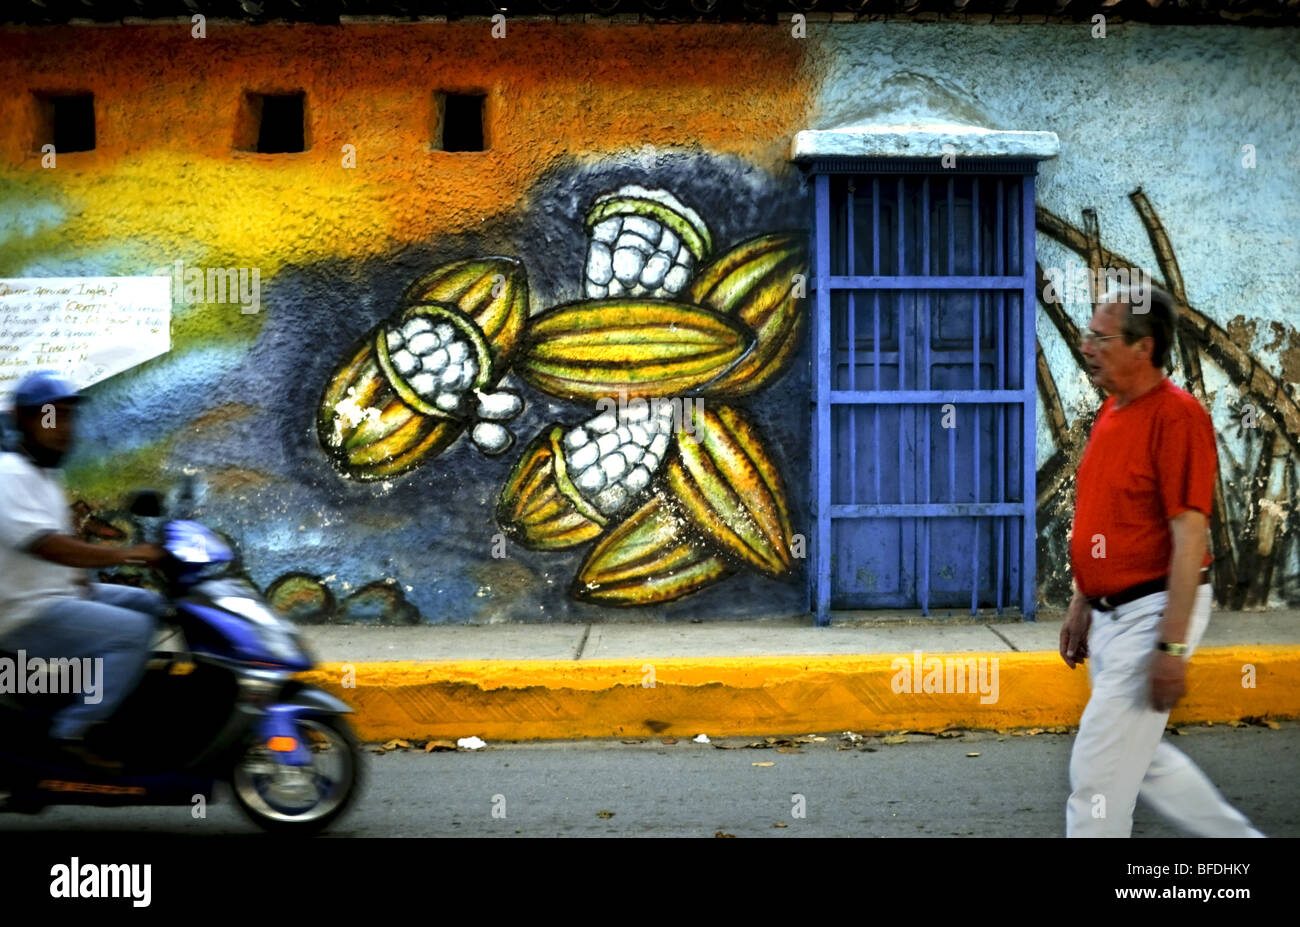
190 542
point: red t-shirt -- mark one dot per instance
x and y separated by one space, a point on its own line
1144 464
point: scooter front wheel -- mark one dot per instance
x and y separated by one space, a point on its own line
301 799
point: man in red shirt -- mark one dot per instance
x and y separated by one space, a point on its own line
1138 550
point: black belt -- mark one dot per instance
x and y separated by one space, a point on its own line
1108 603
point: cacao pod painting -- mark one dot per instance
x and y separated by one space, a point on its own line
428 372
669 483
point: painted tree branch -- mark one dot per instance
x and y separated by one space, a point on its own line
1259 534
1056 421
1092 237
1056 314
1053 476
1249 374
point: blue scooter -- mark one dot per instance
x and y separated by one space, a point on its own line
221 705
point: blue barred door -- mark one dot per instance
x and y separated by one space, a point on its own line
923 476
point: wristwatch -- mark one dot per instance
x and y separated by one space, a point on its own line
1177 649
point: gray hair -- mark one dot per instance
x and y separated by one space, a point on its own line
1156 318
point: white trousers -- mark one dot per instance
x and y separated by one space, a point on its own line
1120 751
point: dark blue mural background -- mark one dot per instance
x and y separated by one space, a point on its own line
430 533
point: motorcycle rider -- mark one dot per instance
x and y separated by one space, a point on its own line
48 608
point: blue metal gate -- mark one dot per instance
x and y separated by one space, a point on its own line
924 420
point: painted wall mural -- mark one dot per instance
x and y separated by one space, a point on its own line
567 378
677 485
630 447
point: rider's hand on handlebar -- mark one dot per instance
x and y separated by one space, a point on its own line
147 554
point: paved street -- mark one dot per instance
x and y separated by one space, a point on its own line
927 786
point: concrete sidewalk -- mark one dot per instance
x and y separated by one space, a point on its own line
867 672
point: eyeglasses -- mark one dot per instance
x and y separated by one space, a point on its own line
1091 337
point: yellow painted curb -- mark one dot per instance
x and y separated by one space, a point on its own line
724 696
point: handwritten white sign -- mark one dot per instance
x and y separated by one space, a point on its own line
85 328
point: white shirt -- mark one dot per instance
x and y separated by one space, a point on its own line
32 504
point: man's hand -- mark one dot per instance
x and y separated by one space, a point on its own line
1168 680
1169 672
1074 633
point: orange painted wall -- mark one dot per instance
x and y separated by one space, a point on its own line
167 106
569 111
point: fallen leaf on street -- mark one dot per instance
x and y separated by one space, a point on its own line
894 739
972 754
438 746
788 750
395 743
769 763
634 741
604 815
669 740
721 834
779 824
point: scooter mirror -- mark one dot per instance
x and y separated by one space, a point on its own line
146 503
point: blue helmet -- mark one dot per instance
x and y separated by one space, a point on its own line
42 386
